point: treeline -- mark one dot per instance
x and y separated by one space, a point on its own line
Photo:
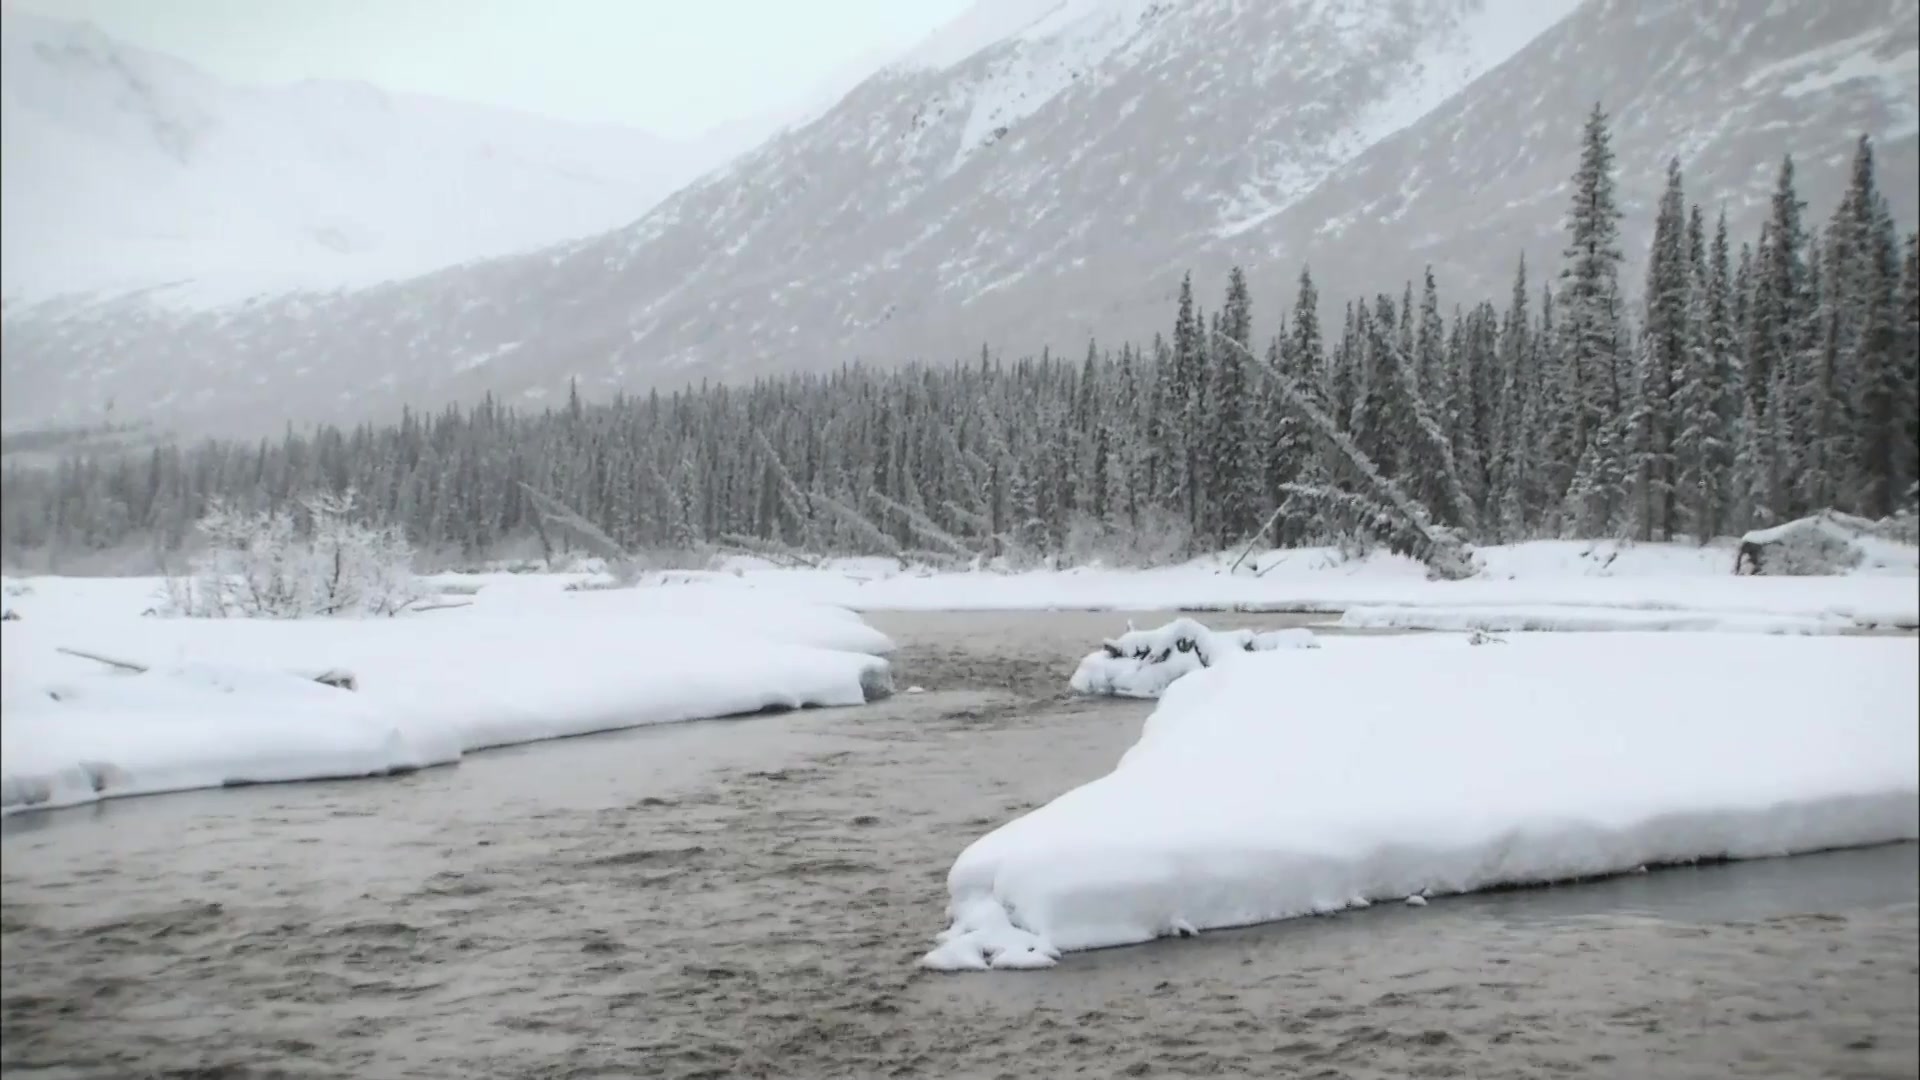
1745 385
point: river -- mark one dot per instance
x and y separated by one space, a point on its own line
748 897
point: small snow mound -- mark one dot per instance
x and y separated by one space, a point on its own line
1416 900
1143 663
956 955
1024 958
982 937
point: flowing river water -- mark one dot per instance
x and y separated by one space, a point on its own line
748 897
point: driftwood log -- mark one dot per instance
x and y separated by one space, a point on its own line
335 677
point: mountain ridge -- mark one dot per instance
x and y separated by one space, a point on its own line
1053 185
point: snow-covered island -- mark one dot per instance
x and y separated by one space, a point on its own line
1285 782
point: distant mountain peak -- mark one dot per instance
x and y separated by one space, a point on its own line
125 169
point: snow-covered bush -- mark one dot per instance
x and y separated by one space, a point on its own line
283 564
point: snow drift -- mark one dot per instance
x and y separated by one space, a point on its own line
227 701
1296 782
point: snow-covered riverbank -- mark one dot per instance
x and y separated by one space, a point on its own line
525 658
226 701
1579 581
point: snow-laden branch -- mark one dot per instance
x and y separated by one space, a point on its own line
924 527
621 563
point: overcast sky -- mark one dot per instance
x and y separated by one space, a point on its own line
676 67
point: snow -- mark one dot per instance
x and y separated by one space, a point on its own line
1576 618
232 700
1042 60
1588 575
1297 782
1483 36
1486 36
983 24
1143 663
1877 69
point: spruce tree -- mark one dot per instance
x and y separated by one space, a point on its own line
1232 462
1183 406
1590 334
1512 469
1862 291
1291 459
1905 430
1778 318
1665 348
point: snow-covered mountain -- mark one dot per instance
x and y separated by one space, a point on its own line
1039 173
127 169
1727 86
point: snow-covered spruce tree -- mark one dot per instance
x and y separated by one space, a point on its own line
1516 411
1719 369
1665 346
1432 360
1404 332
1862 291
1232 454
1583 433
1124 447
1906 384
1696 422
1596 503
1301 355
1180 409
1342 377
1373 423
1821 439
1473 376
1778 317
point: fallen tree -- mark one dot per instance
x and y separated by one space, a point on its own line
1380 508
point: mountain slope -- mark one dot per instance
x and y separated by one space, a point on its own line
1052 186
1727 87
126 168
